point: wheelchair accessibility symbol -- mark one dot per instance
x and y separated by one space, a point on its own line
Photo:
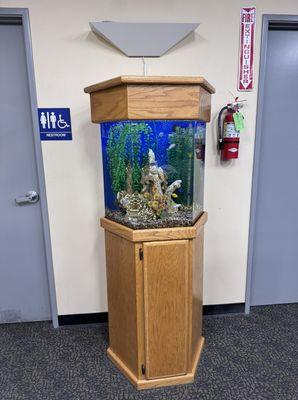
54 123
61 123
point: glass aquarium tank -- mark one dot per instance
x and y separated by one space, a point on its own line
153 172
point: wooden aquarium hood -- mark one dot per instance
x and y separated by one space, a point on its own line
151 97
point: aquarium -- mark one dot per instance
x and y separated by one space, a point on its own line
153 172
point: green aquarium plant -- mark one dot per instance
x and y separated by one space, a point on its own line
125 157
180 158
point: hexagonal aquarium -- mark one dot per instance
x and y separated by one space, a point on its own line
153 172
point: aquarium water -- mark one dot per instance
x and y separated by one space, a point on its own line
153 172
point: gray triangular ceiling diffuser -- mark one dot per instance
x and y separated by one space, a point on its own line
142 39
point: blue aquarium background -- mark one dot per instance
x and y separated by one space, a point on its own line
153 171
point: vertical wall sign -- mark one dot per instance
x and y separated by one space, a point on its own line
246 57
54 123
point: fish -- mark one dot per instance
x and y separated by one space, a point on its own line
172 146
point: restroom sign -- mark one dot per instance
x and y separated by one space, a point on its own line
246 56
54 124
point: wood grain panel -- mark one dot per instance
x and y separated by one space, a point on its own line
166 296
148 235
159 382
197 293
109 104
140 310
136 79
204 105
121 259
133 97
117 229
164 102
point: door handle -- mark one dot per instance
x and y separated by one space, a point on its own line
30 197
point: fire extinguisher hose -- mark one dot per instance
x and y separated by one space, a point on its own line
219 127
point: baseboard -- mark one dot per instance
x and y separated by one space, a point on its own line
217 309
78 319
96 318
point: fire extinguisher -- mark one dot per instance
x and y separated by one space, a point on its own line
228 132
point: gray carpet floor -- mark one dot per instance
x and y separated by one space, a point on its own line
245 357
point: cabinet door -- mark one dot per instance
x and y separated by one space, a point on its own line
166 299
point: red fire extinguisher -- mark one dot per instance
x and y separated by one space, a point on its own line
228 132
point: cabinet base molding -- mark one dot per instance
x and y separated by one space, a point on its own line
142 384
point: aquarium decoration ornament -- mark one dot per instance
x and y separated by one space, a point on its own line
155 198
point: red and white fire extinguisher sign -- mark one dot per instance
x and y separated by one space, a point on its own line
229 128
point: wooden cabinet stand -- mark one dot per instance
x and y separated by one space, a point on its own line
155 302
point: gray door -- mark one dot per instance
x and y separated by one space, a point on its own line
24 292
275 255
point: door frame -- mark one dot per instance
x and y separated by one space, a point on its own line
267 18
23 13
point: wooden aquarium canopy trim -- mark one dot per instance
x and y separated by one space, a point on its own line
151 80
148 235
151 97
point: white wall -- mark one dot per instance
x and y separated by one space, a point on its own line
67 58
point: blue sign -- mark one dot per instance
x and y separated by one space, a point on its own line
54 124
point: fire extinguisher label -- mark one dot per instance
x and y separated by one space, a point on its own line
230 131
